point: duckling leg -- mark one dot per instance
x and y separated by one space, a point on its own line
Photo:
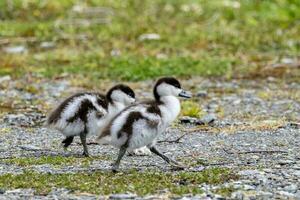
67 141
122 152
154 150
83 141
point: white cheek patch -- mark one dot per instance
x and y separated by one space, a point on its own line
168 90
164 89
118 95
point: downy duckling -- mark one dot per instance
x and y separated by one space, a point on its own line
87 113
140 124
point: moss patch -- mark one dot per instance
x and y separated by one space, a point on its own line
191 109
141 183
207 38
225 191
52 160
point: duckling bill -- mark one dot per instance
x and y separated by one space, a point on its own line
87 113
140 124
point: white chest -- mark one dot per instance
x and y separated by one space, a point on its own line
170 109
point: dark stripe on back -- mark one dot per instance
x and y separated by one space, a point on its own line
128 126
101 100
56 114
153 108
85 107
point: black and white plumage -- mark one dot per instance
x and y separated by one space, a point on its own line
87 113
140 124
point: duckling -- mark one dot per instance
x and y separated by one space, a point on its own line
87 113
140 124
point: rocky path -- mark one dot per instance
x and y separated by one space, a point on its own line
249 127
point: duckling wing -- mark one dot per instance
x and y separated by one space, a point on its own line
56 114
134 126
73 114
144 130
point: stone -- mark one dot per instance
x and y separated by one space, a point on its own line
297 173
294 125
149 36
2 191
20 191
143 151
115 52
4 79
218 197
237 195
188 120
291 188
198 169
208 119
191 120
288 60
20 119
161 56
249 187
212 106
249 172
15 49
287 194
286 162
47 45
264 195
14 119
30 148
201 93
123 196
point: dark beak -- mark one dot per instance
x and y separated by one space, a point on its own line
185 94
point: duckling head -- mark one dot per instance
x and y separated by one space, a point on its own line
169 86
122 94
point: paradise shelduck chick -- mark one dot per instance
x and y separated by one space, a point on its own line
140 124
87 113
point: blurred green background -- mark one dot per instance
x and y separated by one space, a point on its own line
139 40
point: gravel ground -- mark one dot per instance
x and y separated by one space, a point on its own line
253 130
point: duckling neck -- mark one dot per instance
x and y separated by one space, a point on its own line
170 108
114 108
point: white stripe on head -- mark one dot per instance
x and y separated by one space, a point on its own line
165 89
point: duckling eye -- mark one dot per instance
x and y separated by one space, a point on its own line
131 94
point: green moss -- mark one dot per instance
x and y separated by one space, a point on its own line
201 38
191 109
141 183
52 160
225 191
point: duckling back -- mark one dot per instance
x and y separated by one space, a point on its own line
79 113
